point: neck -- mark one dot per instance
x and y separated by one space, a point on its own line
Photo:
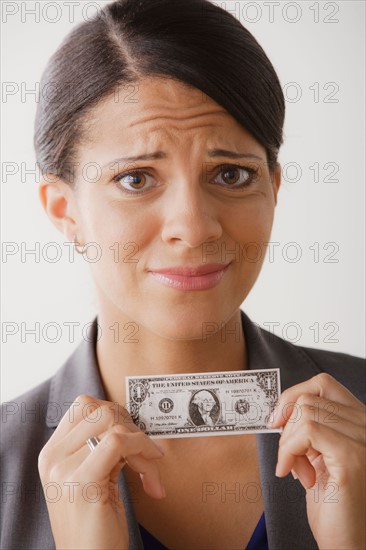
152 354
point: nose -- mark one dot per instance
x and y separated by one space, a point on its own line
189 218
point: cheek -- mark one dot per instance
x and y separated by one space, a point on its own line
250 222
248 229
123 233
119 228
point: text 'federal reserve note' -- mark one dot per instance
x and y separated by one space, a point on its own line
203 404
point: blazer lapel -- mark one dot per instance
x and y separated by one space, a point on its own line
284 498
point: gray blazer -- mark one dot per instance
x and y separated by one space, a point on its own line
29 420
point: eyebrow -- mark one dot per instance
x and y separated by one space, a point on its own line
162 155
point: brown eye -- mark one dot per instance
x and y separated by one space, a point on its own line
136 181
229 175
236 177
133 182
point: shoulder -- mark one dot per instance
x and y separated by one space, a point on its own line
349 370
24 432
29 420
30 406
299 363
23 423
336 360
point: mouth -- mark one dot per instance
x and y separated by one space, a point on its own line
188 278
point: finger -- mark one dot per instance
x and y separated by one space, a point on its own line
87 407
113 447
82 406
337 449
308 467
307 413
149 477
322 385
133 443
96 423
331 408
148 470
302 467
73 462
114 475
303 470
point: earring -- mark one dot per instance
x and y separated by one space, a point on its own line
76 243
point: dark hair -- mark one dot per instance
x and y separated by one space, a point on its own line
193 41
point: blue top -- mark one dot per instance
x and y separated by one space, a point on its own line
258 540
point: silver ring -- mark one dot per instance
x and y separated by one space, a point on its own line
93 442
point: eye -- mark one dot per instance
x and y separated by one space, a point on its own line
235 176
136 180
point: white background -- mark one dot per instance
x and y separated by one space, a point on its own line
306 51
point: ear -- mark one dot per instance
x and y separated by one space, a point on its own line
276 180
58 201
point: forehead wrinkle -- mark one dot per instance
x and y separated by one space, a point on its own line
183 119
177 136
173 127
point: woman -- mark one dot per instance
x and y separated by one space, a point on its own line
158 150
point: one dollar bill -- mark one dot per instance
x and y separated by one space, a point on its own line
203 404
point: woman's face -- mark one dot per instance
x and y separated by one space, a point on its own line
184 208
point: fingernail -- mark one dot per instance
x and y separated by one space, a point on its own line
163 492
275 413
269 423
294 474
159 448
277 470
272 418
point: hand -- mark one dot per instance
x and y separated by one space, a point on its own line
323 444
83 501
